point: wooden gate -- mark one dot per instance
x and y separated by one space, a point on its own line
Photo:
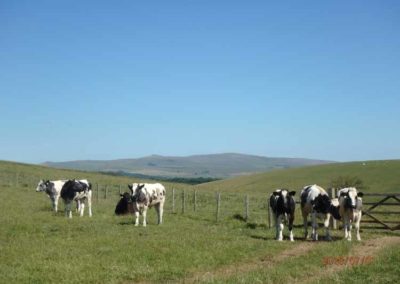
392 224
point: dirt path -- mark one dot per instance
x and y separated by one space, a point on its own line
265 261
364 253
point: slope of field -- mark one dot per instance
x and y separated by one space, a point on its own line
377 176
39 246
217 165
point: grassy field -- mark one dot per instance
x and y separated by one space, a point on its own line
38 246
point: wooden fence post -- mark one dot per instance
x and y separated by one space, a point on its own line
183 201
105 192
246 207
218 206
120 189
173 200
195 200
97 191
333 222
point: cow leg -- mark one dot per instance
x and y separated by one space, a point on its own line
137 218
357 226
159 209
345 225
290 226
314 234
144 216
78 206
279 227
68 211
350 227
305 226
326 225
82 208
55 203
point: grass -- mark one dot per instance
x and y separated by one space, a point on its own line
39 246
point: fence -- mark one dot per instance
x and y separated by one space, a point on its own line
219 206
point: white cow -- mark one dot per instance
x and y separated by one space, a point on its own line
53 190
307 196
350 204
147 195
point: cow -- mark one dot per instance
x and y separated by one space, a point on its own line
77 190
307 196
283 205
53 190
147 195
350 204
125 205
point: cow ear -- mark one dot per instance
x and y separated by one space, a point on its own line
292 193
275 193
130 186
360 194
121 195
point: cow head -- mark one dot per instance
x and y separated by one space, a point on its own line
350 198
284 200
43 185
137 193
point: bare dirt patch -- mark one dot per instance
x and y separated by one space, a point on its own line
265 261
367 249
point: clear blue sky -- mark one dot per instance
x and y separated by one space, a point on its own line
125 79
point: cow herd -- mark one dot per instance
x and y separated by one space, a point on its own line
314 201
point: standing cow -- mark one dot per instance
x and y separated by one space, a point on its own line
350 204
77 190
147 195
53 190
308 196
283 205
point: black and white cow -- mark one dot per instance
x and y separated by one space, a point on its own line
147 195
125 205
307 197
53 190
77 190
283 206
350 208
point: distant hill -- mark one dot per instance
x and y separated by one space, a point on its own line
209 166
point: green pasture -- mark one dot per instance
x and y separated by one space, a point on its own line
39 246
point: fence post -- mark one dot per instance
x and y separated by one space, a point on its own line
105 192
120 189
97 191
195 200
183 201
173 200
333 222
246 207
269 214
218 205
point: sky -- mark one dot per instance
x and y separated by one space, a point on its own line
125 79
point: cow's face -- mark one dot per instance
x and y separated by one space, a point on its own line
351 198
284 199
42 185
127 197
321 203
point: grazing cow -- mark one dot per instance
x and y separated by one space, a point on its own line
125 205
77 190
308 196
350 204
147 195
283 205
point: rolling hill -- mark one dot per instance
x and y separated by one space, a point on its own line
216 166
